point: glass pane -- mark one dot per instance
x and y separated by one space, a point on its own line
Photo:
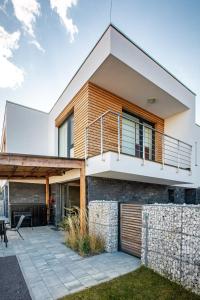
63 140
72 130
130 135
148 141
72 152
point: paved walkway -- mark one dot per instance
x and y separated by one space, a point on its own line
52 270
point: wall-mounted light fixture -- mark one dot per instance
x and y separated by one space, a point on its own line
151 100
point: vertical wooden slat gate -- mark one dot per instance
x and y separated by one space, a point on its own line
131 228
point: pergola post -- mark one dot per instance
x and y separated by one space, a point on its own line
82 199
47 199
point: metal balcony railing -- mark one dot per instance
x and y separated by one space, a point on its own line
121 134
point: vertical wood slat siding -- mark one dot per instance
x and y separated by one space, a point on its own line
88 104
131 228
78 105
100 101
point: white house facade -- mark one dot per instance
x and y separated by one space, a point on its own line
130 119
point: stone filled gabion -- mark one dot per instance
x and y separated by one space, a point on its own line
103 220
171 244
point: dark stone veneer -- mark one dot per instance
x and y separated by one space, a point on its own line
138 192
29 193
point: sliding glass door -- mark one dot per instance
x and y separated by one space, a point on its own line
148 137
137 136
130 135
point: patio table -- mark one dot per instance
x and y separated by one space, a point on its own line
3 222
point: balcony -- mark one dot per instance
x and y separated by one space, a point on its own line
125 137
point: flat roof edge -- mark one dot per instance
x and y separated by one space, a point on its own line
136 45
153 59
27 107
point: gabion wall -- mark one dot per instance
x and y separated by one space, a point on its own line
171 242
103 220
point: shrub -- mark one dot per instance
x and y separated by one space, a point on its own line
97 243
84 245
82 242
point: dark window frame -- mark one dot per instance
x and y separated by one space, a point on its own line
70 145
141 121
190 196
171 195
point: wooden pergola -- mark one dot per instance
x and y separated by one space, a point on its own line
25 166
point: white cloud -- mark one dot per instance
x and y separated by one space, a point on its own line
11 76
62 8
26 11
37 45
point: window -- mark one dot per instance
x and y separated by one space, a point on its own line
171 196
190 196
66 138
137 132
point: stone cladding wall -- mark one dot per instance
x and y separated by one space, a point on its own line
171 242
103 220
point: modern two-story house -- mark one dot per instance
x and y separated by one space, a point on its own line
126 116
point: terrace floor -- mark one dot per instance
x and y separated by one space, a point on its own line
51 270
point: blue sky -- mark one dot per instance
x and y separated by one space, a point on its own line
43 42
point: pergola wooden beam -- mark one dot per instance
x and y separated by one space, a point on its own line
24 160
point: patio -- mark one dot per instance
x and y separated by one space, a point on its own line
51 270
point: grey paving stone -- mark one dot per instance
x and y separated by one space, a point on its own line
40 291
73 285
52 270
88 281
100 277
66 278
78 272
51 280
58 291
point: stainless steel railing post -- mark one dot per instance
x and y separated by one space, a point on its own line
143 144
101 137
163 151
178 157
119 136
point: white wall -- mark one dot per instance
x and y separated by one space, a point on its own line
93 61
197 156
26 130
132 168
182 126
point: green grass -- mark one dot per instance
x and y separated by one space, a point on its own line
142 284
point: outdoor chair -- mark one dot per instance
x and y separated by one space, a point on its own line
18 226
1 230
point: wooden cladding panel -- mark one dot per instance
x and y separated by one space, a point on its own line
91 102
110 136
131 228
78 105
80 123
101 101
